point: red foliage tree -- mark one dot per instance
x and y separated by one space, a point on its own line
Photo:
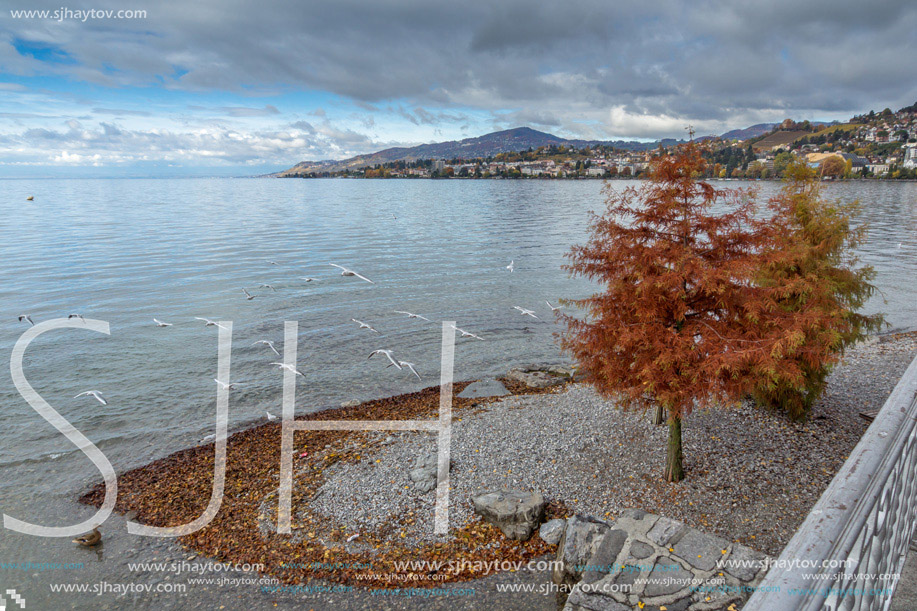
671 322
703 308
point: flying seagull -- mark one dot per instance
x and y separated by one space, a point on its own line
225 386
388 354
307 279
95 394
350 272
271 417
290 368
466 333
209 323
410 366
553 309
267 286
525 312
159 323
273 263
363 325
410 315
248 295
80 316
511 266
26 317
267 343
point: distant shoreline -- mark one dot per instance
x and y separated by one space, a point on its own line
574 178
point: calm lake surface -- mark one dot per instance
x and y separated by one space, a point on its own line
126 251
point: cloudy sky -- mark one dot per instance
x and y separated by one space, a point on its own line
237 87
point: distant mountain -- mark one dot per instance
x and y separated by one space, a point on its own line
488 145
507 141
749 132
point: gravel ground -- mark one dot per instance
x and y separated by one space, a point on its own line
751 476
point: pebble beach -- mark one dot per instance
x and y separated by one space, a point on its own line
752 477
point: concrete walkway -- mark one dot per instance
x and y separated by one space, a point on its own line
905 598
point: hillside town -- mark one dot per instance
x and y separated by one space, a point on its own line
874 145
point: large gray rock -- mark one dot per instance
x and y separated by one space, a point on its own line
552 530
515 513
540 376
483 389
424 472
582 537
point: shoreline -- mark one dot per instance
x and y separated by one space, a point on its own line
172 490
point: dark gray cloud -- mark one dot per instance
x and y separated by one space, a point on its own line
625 68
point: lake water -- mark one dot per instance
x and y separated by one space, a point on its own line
126 251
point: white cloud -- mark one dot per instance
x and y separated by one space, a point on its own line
109 144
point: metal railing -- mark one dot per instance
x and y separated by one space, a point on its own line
850 550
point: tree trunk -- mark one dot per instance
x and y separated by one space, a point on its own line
674 471
659 416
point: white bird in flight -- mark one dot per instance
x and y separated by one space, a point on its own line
350 272
273 263
271 417
307 279
267 343
410 366
225 386
411 315
553 309
511 266
363 325
248 295
26 317
525 312
209 323
290 368
267 286
95 394
159 323
466 333
388 354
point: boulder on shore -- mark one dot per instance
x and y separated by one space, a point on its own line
552 530
425 471
483 389
541 376
517 514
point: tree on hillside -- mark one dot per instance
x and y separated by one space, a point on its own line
676 278
833 166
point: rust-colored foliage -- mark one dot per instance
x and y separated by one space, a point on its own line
702 307
676 279
812 280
